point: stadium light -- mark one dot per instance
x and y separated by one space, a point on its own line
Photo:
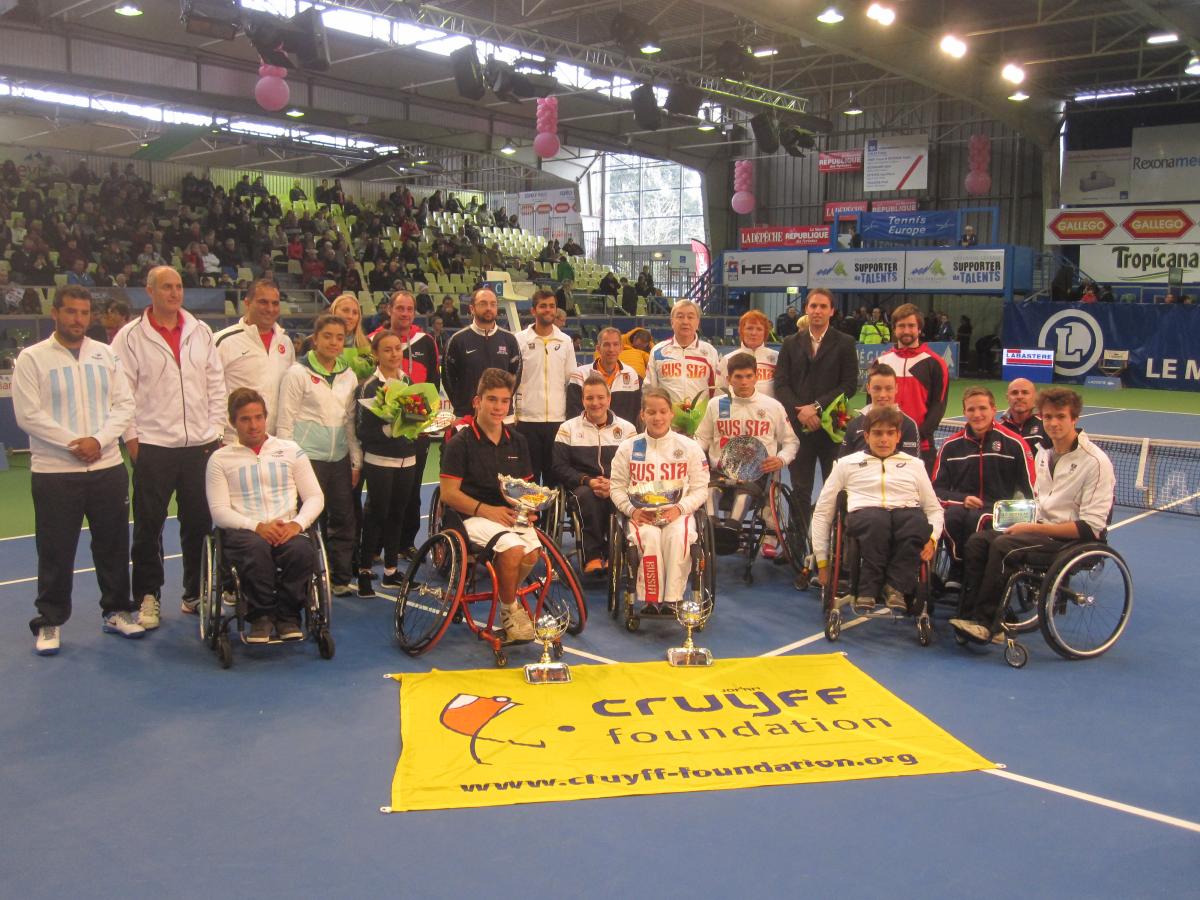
508 149
1013 73
1163 37
764 52
1018 97
831 16
128 9
954 46
295 113
853 109
1193 66
881 13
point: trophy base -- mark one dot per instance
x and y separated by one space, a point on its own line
689 656
547 673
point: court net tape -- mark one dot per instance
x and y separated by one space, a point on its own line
1151 474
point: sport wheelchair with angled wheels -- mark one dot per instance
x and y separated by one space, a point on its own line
446 578
223 606
842 585
744 513
1080 596
564 520
623 568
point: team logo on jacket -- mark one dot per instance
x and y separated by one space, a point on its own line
502 350
995 446
532 344
617 432
625 378
282 349
315 379
678 453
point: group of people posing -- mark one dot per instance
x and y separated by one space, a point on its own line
264 444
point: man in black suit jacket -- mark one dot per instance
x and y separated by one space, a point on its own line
815 365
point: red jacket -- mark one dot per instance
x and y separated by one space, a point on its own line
922 380
420 361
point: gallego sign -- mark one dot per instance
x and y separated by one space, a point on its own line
765 268
1123 224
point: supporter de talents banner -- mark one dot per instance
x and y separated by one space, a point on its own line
857 270
960 271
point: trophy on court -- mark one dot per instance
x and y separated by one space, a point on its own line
656 495
691 614
742 458
549 628
526 496
1006 513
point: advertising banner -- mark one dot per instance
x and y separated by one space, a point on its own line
896 163
1163 341
765 268
1095 176
1165 163
783 236
858 270
553 213
840 161
961 271
1144 263
900 226
1123 224
1036 365
845 208
868 353
896 204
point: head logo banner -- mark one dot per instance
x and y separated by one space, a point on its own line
485 738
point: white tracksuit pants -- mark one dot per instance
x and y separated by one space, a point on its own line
666 558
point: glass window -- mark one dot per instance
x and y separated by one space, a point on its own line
649 202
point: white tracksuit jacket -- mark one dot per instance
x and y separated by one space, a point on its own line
682 371
767 360
249 364
546 367
729 416
247 488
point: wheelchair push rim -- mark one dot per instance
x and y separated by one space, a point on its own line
563 592
1085 603
431 591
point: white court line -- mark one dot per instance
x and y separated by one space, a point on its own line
592 656
813 638
76 572
1151 512
1099 801
1104 412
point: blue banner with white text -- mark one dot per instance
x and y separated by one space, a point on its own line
1163 340
904 226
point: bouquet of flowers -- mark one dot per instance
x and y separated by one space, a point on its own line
835 417
688 413
361 362
407 407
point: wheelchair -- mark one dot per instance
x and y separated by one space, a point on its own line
623 567
564 520
842 586
745 533
1080 597
447 577
219 582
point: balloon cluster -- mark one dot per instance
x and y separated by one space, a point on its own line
979 157
546 144
272 91
743 187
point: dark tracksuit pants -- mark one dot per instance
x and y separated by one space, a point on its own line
274 580
983 571
961 523
594 512
60 503
338 520
410 525
389 490
158 473
889 547
815 447
540 437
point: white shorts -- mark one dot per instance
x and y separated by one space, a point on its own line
481 530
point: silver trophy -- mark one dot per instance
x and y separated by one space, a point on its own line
656 495
526 496
1007 513
442 419
691 614
549 628
742 458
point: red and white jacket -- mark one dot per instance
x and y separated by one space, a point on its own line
683 372
672 457
922 380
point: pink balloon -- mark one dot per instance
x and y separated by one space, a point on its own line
269 71
977 183
271 93
742 203
546 144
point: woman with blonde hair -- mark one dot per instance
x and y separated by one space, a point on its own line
347 308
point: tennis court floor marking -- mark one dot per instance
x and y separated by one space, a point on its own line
76 572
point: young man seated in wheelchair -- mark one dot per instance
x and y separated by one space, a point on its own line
252 488
747 411
892 513
663 536
881 388
975 467
471 461
582 463
1074 489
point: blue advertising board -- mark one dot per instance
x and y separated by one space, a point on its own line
1163 340
868 353
904 226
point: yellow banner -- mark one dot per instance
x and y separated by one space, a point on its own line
486 738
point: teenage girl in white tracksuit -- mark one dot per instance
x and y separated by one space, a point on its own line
660 455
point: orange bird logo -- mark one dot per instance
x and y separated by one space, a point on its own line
468 715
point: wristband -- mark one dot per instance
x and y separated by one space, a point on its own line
477 505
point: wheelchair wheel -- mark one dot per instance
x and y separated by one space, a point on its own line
224 651
790 527
431 591
1021 602
320 595
835 562
564 592
435 521
616 564
1086 599
210 592
1015 654
325 645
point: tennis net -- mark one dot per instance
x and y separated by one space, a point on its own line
1151 474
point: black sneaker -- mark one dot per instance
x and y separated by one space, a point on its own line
364 585
392 579
289 630
409 553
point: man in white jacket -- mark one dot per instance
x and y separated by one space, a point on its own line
71 397
685 364
547 361
252 487
255 351
178 384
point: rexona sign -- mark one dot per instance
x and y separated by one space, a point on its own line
1074 227
1158 225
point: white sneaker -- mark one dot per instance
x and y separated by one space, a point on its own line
972 629
122 623
229 598
190 606
148 614
515 622
47 642
343 590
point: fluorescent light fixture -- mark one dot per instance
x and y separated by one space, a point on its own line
420 162
764 52
650 48
1163 37
295 113
831 16
1193 66
954 46
853 109
508 149
128 9
706 126
1013 73
1104 95
882 14
1019 97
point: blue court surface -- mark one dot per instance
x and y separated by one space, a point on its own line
140 768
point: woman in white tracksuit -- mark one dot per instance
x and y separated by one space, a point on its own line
660 454
316 410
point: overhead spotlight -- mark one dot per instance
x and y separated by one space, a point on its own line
831 16
796 140
1163 37
1193 66
954 46
294 113
645 108
509 84
508 149
853 109
633 35
706 126
421 162
881 13
217 19
764 52
468 73
1013 73
301 37
1018 97
684 100
128 9
650 47
733 60
766 132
